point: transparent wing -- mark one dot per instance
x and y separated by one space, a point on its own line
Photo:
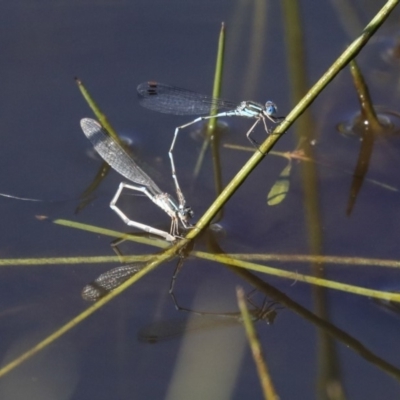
173 100
114 155
108 281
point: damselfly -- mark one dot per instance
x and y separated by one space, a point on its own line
173 100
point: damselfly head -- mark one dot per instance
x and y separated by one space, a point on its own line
270 109
185 214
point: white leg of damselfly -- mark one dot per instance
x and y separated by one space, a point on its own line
179 193
171 156
129 222
252 141
224 114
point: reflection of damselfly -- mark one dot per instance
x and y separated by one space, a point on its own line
173 100
163 330
110 280
113 154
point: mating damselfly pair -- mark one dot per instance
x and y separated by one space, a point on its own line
172 100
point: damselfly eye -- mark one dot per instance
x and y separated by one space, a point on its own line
188 213
270 108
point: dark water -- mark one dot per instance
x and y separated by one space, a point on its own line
113 46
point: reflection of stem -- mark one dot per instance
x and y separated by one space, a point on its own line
200 158
85 197
217 170
347 15
364 157
299 155
257 49
328 367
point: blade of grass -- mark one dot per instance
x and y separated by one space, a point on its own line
212 122
219 67
364 98
73 260
295 276
307 258
262 369
222 258
97 112
108 232
299 258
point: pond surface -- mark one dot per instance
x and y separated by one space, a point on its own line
115 45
